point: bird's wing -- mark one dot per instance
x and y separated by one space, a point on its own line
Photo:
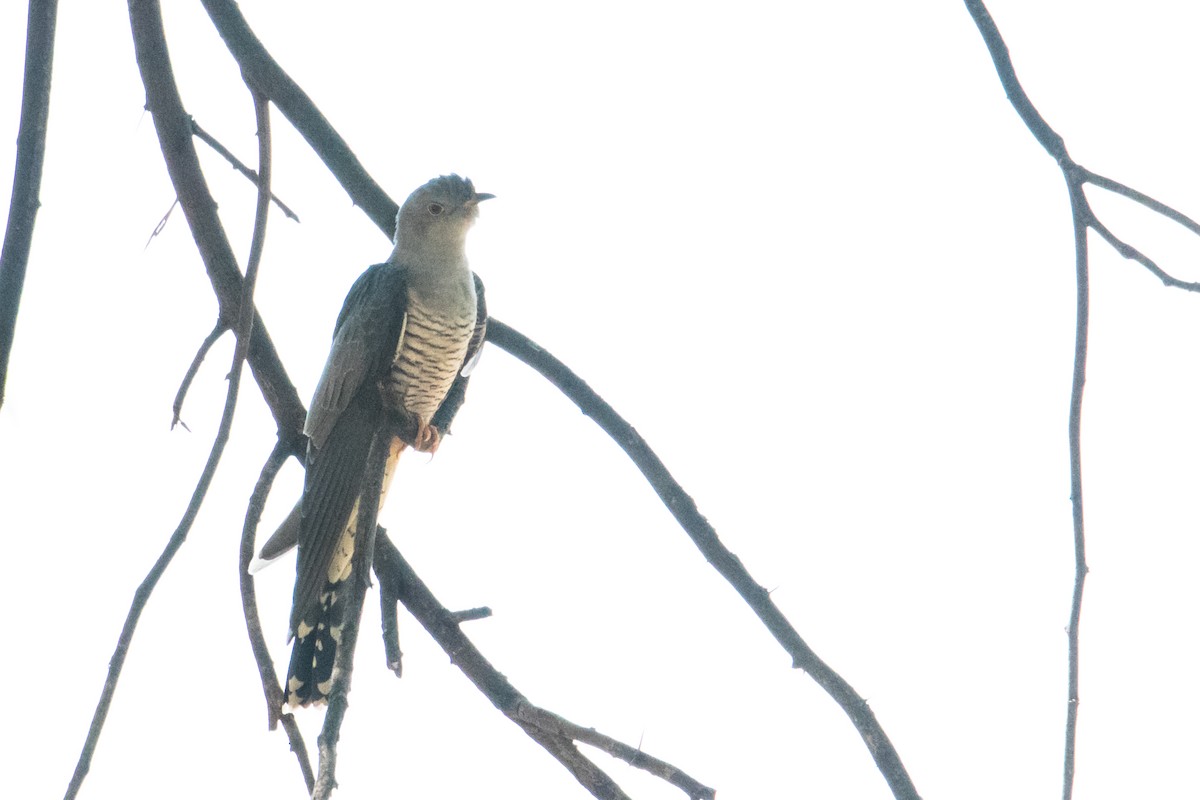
458 390
342 420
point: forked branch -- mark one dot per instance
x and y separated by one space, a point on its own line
1083 218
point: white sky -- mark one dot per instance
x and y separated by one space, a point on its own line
810 252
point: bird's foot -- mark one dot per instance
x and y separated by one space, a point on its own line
428 439
416 432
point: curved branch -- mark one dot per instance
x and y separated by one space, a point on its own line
1146 200
267 76
175 138
683 508
244 329
177 407
233 160
554 733
1033 119
27 176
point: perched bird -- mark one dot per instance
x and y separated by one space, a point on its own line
403 345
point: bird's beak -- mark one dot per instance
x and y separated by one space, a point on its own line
480 197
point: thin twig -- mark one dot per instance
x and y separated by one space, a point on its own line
27 175
258 643
1146 200
343 661
250 174
683 508
244 329
174 130
161 226
1133 254
390 622
268 77
634 756
1082 217
471 614
550 730
177 407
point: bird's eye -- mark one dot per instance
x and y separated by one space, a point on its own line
436 208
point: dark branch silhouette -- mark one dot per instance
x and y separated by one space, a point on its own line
174 130
27 175
272 691
1083 218
177 407
250 174
683 508
550 730
244 329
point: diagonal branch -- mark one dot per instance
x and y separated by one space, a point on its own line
265 73
555 734
177 407
244 330
27 177
1146 200
175 138
250 174
1133 254
683 508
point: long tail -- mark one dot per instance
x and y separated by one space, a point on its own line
319 631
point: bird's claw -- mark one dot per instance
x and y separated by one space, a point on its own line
428 438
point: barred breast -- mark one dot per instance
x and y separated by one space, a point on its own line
432 346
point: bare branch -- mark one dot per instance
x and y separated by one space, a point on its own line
683 508
267 76
27 176
390 622
258 643
1146 200
179 152
1046 136
244 329
193 368
634 756
250 174
1133 254
471 614
551 731
1080 215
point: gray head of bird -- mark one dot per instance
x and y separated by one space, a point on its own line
435 218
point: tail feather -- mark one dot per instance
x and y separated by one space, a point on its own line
310 673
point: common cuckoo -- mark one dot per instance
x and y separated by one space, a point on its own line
403 345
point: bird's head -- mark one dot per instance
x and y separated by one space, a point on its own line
438 214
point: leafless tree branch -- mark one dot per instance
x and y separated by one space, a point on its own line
177 407
250 174
1083 218
258 643
174 130
553 732
684 509
245 319
27 176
